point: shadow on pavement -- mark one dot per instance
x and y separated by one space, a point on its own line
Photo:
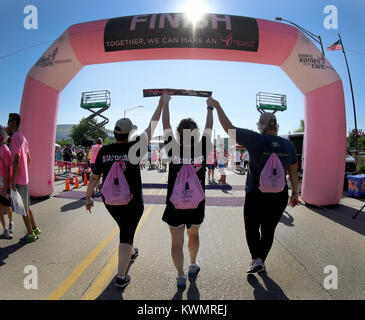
34 201
179 293
112 292
342 215
272 291
6 251
287 219
73 205
193 291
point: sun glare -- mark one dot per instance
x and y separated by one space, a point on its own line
194 9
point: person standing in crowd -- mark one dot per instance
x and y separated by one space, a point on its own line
211 164
237 159
263 210
126 216
222 162
5 162
20 159
191 219
58 157
67 158
245 160
94 152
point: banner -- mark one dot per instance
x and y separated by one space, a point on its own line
176 92
177 30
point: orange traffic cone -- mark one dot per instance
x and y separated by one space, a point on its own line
77 185
85 179
71 180
79 173
67 188
55 176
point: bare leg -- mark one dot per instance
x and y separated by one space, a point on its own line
31 218
9 213
27 224
124 257
193 244
177 245
2 219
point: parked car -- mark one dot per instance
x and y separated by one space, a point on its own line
298 140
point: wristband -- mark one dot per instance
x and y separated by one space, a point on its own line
210 108
293 192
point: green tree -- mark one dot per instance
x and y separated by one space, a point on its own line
63 142
351 140
301 128
79 132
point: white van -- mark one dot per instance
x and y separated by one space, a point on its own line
298 140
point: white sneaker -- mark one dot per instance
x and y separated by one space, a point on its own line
194 269
256 266
7 235
11 227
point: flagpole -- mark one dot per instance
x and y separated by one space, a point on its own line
352 92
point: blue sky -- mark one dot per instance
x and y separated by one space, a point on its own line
234 84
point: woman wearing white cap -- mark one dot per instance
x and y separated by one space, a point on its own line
263 210
127 216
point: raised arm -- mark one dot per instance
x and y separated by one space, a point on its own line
209 120
225 122
154 120
165 98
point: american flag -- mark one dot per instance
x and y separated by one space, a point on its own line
336 46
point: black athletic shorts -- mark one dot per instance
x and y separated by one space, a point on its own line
127 217
176 218
5 201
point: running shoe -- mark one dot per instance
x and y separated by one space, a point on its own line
6 234
122 283
29 238
11 227
194 269
134 255
256 266
181 281
37 231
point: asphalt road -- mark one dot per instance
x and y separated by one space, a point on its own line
75 256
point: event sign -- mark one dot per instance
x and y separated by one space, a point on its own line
176 92
177 30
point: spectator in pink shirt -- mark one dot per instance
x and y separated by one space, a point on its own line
20 159
4 185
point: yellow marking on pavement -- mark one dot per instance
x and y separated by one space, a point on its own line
107 272
70 280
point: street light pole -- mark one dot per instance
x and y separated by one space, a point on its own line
125 111
316 38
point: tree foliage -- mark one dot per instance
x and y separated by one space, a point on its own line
301 128
360 140
79 132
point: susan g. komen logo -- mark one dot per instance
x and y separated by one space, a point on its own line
49 60
229 42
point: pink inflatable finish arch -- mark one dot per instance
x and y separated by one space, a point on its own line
214 37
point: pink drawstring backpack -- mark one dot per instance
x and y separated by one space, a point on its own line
272 177
187 192
115 188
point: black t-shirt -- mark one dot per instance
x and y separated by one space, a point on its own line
67 155
120 152
196 155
